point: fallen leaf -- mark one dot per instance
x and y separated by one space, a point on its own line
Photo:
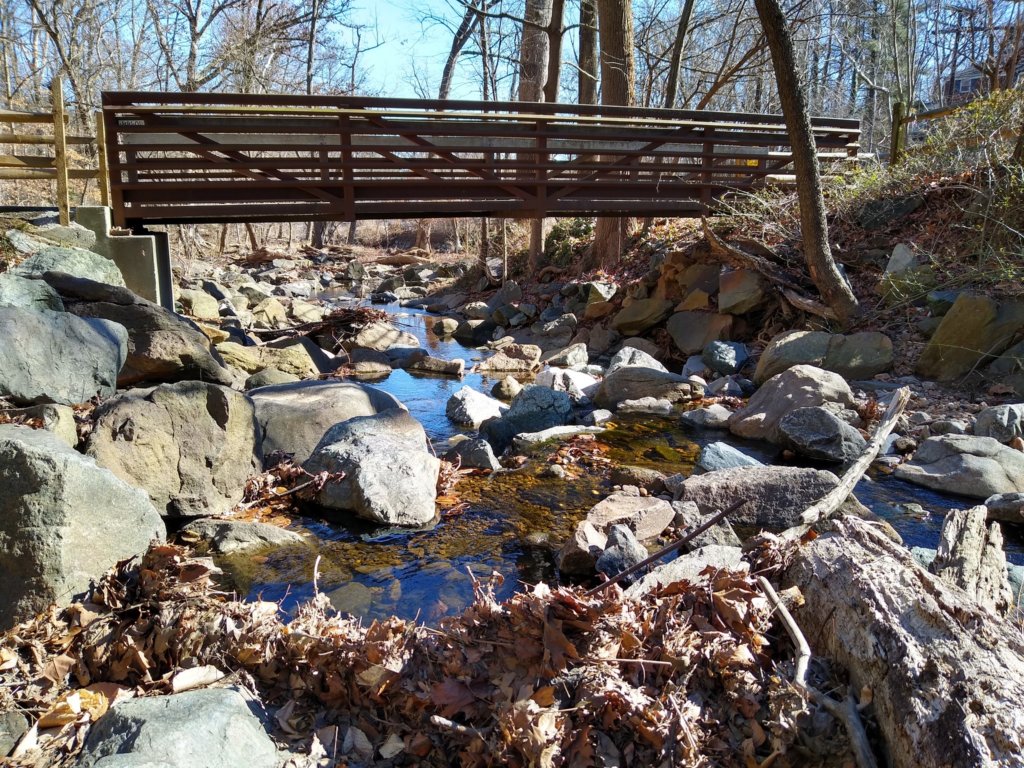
392 746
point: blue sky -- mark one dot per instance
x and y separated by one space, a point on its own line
408 41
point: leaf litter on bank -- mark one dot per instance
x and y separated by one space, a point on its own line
549 677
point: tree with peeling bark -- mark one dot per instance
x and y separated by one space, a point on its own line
833 287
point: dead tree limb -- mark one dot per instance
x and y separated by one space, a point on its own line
830 502
946 676
845 711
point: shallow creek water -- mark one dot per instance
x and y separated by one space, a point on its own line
514 522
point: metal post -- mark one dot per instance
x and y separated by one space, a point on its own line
60 150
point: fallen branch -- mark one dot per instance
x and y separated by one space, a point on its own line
845 711
826 506
711 521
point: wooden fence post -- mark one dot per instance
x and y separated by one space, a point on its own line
102 171
898 131
60 150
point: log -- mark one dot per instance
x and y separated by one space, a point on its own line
827 505
946 675
971 557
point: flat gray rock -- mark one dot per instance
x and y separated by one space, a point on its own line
212 728
776 495
978 467
227 536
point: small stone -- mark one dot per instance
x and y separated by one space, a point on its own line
622 552
725 357
714 416
652 405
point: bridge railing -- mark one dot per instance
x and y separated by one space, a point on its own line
177 158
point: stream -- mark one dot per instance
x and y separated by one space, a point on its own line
515 521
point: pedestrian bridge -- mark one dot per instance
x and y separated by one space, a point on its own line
178 158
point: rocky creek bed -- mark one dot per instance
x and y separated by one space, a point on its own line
438 520
512 522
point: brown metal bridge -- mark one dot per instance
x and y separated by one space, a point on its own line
195 158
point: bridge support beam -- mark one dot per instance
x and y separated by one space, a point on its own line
144 258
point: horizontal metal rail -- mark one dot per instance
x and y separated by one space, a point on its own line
192 158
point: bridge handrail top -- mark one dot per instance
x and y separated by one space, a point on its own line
482 116
152 102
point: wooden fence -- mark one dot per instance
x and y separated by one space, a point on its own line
56 166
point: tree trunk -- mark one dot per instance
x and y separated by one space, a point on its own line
319 234
814 228
672 86
423 230
587 71
533 69
618 78
535 50
556 30
945 676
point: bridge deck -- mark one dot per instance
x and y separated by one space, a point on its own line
191 158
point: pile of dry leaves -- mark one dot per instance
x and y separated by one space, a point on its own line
551 677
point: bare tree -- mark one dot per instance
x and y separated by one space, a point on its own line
814 228
618 79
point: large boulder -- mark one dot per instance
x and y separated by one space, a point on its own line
633 383
978 467
819 434
692 330
389 475
641 315
191 446
854 356
27 293
1002 422
55 357
63 522
213 728
776 495
295 359
71 261
578 385
631 357
740 291
293 417
381 336
513 358
719 455
802 386
534 409
975 329
471 408
162 346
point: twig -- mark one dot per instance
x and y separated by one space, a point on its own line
830 502
713 520
845 711
463 730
